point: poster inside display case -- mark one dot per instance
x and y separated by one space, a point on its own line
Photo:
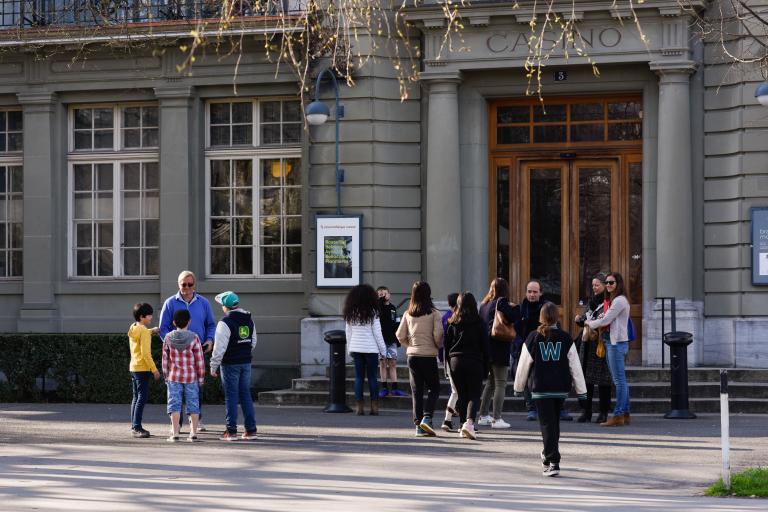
338 250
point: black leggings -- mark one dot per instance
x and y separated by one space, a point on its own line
423 373
604 392
467 374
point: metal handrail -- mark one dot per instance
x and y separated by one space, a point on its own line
673 314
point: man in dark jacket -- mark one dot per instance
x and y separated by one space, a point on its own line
530 308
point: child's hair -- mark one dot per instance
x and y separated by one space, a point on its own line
421 299
181 318
361 305
548 318
466 309
452 298
141 309
381 288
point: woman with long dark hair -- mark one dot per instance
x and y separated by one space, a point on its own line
466 345
549 358
365 342
500 351
616 339
421 332
593 362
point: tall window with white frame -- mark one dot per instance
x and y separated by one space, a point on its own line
115 191
254 188
11 193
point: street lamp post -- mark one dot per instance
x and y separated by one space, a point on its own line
762 94
317 113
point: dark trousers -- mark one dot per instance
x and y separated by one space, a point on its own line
140 384
366 364
467 375
604 392
548 410
423 373
529 405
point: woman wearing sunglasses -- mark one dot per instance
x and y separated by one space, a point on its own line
616 307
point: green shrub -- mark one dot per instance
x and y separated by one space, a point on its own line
78 368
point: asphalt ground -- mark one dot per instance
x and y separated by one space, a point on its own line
82 457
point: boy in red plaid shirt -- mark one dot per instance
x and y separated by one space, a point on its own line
184 367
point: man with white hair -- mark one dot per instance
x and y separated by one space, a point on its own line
201 321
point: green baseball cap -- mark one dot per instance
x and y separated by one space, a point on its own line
228 299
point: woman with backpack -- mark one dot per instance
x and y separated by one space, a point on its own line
421 332
466 347
616 340
500 351
549 358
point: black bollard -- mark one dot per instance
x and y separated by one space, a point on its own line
337 388
678 347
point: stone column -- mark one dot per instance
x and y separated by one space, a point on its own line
38 312
176 185
443 197
674 212
674 204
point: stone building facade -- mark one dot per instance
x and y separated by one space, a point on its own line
118 173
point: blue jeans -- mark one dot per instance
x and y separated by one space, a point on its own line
614 355
366 365
140 384
236 381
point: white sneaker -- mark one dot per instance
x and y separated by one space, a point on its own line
499 423
468 430
201 427
485 420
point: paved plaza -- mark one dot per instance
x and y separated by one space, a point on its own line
81 457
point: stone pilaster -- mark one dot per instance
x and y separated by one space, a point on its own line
176 184
38 312
443 194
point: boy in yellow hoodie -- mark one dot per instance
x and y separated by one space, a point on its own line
142 365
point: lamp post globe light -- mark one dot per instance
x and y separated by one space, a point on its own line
317 113
762 94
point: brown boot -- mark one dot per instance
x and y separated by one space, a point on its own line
626 418
614 421
374 407
360 408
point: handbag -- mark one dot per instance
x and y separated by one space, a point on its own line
501 330
590 334
600 350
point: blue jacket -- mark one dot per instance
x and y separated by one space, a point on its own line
201 323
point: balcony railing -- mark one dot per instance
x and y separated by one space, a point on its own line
57 13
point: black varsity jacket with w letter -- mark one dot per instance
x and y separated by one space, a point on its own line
552 364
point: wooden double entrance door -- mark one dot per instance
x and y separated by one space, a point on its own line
562 219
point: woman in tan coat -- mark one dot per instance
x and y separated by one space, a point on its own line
421 332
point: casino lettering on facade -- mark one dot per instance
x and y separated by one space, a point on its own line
517 42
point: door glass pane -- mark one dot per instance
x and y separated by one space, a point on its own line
636 233
594 226
513 135
546 201
549 133
502 220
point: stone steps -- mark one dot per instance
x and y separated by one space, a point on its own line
637 389
516 405
642 374
649 391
